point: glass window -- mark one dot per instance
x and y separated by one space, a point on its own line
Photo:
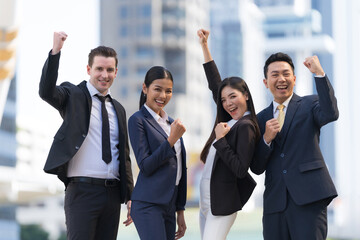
123 12
145 10
124 31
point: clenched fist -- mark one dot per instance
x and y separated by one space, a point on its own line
176 132
59 39
313 64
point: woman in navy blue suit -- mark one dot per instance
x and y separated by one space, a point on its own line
156 139
226 184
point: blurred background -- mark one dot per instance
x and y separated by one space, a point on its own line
163 32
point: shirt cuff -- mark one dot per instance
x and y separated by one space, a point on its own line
267 144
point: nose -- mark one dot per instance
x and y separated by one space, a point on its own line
227 102
163 94
281 78
104 74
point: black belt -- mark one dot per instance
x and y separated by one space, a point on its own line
96 181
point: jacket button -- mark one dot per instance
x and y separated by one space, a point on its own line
282 155
284 171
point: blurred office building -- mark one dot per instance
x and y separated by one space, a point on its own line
22 180
162 32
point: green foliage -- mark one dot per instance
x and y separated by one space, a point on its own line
33 232
62 236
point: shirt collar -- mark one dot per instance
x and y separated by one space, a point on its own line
286 103
156 116
93 91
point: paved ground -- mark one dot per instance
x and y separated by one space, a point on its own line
247 226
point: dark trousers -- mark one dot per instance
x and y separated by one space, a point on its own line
154 221
92 211
297 222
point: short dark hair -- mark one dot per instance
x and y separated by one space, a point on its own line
154 73
102 51
278 57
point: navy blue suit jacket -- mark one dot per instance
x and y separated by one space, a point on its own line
294 162
156 160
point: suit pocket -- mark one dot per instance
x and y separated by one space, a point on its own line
311 165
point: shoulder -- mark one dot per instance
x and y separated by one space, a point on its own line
137 116
117 104
245 124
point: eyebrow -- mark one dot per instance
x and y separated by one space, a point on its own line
159 86
229 95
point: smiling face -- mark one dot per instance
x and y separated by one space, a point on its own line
102 73
158 94
234 102
280 80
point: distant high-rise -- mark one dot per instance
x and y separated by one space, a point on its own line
161 32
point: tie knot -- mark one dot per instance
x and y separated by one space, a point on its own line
280 107
102 98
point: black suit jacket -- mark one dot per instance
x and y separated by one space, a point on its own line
74 105
294 163
231 185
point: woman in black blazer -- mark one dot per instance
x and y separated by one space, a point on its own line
226 184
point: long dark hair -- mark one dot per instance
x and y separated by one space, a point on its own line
154 73
223 116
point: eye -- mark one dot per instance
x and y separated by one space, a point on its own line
168 91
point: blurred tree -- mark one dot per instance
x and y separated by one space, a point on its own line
32 232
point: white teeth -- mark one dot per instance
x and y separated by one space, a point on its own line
159 101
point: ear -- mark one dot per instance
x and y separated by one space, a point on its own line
294 80
88 68
265 82
144 88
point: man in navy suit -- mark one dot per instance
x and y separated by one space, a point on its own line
298 187
96 184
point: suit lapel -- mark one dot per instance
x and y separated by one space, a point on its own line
83 87
119 116
153 122
290 113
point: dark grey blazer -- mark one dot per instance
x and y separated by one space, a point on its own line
74 105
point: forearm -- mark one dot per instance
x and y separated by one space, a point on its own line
213 77
261 157
206 52
49 76
327 100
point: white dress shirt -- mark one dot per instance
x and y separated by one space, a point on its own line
87 162
164 123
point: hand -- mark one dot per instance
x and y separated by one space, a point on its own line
271 129
59 39
203 36
221 130
313 64
176 132
129 220
181 225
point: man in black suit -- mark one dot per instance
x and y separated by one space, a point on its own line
96 183
298 186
